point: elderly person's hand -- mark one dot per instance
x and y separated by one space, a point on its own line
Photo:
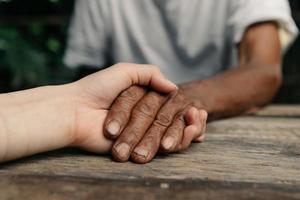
142 122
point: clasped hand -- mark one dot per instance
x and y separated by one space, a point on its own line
143 122
108 102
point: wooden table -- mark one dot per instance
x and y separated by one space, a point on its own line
249 157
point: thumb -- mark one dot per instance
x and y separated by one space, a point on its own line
146 75
109 83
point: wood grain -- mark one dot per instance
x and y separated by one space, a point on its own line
280 111
43 187
243 158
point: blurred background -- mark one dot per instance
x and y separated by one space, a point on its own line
32 43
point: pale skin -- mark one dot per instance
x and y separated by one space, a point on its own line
141 131
72 115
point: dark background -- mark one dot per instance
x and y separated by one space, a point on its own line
32 42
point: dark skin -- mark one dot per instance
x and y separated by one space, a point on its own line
148 120
151 116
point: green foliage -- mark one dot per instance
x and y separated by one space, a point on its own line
32 57
31 52
26 64
53 45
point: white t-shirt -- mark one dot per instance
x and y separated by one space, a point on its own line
187 39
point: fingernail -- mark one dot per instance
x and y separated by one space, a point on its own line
123 150
113 128
168 142
171 83
141 152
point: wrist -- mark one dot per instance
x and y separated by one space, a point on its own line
56 108
65 102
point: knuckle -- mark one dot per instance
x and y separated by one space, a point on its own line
163 119
122 106
159 125
149 105
131 93
127 100
155 96
143 110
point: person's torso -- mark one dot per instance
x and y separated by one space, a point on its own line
186 39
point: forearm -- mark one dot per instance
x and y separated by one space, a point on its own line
235 91
29 122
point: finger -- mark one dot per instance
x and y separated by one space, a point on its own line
149 145
203 119
188 136
197 118
192 116
173 135
120 77
120 111
194 130
142 117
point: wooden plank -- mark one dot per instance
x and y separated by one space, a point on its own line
246 155
280 111
48 188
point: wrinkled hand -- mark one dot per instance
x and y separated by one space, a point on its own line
142 122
